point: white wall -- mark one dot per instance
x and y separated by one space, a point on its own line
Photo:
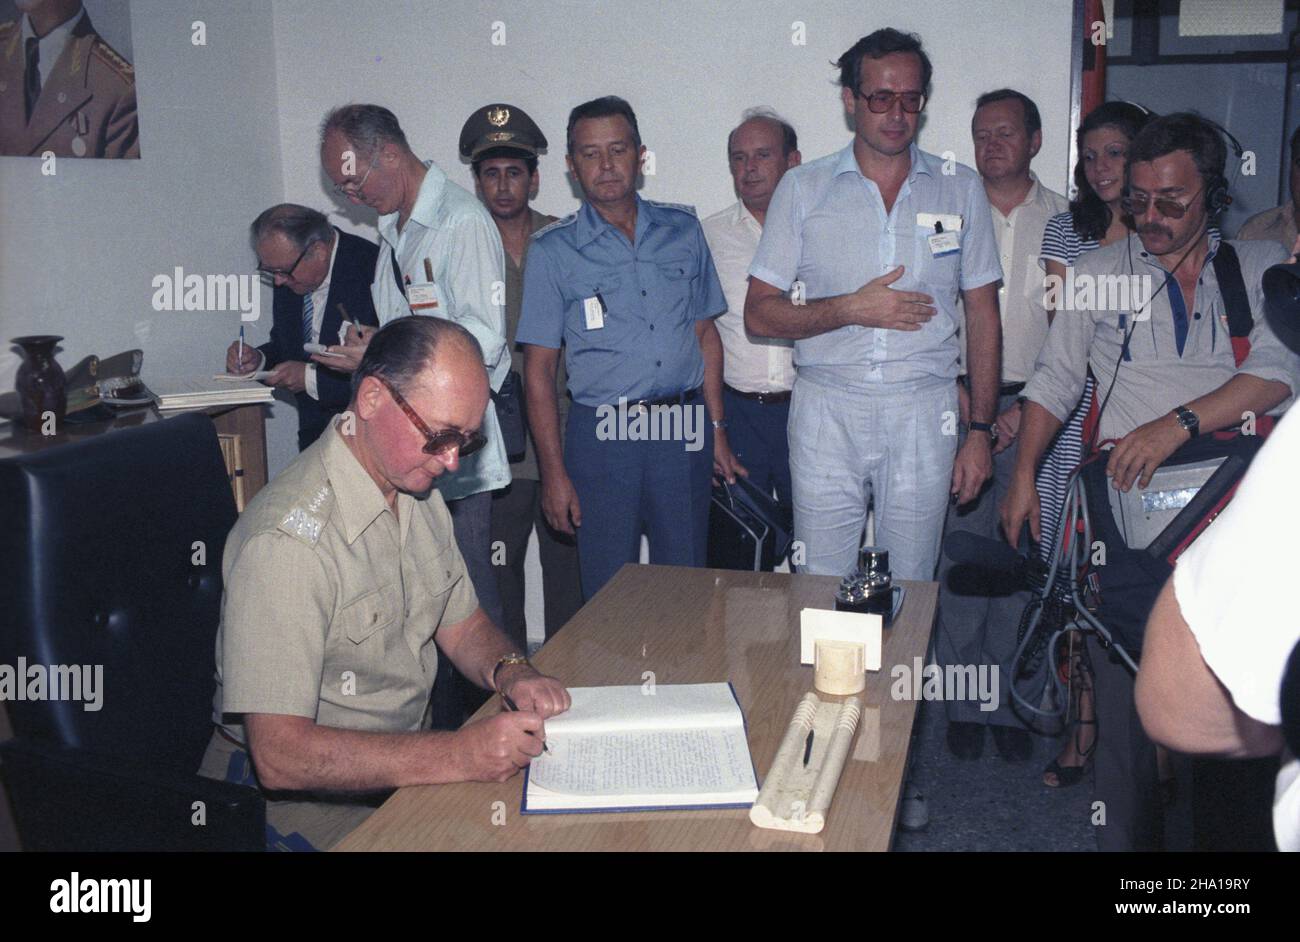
79 249
688 69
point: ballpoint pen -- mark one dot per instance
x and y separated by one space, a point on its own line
241 346
510 705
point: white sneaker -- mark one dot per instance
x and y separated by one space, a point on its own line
913 815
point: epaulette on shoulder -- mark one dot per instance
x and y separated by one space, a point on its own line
124 69
305 520
680 207
558 224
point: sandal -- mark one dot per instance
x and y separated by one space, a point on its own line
1077 671
1067 775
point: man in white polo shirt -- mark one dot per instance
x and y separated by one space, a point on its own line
758 372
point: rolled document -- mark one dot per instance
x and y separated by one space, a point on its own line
797 797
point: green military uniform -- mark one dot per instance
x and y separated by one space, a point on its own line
506 131
526 467
330 610
86 106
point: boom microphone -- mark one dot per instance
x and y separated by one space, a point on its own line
994 556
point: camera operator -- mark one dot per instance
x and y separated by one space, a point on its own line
1166 372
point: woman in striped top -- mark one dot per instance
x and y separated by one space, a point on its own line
1094 219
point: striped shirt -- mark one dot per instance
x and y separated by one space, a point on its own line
1061 243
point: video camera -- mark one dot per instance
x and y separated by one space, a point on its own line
1114 551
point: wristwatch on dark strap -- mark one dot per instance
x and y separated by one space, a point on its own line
985 427
1188 420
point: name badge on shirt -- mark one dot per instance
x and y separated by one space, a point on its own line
593 309
422 297
944 243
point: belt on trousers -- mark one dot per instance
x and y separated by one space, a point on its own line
1006 389
640 404
766 399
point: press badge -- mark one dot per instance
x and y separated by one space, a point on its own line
593 310
944 227
422 297
944 243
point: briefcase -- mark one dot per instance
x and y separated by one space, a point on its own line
748 529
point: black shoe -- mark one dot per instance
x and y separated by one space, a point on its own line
966 740
1014 744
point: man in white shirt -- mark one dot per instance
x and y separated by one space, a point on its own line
1224 627
440 255
978 622
758 372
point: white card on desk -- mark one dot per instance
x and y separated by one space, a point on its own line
818 623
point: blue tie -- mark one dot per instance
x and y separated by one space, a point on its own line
308 315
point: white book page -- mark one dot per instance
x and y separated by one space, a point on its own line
647 763
670 706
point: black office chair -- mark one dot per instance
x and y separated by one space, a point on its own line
111 550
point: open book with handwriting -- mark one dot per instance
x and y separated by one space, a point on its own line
630 749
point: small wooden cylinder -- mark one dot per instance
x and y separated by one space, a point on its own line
839 667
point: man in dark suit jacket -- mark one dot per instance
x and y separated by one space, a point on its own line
322 277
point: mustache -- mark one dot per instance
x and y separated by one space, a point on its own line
1156 230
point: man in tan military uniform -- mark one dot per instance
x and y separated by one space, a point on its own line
342 583
501 142
63 89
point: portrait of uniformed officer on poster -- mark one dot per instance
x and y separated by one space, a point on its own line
67 86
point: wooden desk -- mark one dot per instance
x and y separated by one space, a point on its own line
688 626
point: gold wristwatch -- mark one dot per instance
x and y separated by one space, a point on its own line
512 658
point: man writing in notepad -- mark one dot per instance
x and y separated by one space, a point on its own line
344 587
322 280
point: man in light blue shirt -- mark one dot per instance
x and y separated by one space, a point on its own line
873 244
629 286
440 255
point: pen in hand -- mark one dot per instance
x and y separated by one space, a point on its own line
510 705
241 346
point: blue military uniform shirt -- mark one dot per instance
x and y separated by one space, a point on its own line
652 291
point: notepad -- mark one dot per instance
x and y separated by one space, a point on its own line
175 394
627 749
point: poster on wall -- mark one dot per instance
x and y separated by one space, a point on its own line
67 85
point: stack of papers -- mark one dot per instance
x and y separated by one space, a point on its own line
173 395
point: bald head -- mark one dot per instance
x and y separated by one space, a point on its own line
418 349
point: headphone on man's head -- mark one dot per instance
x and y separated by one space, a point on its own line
1217 198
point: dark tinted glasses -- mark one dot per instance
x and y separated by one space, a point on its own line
442 441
